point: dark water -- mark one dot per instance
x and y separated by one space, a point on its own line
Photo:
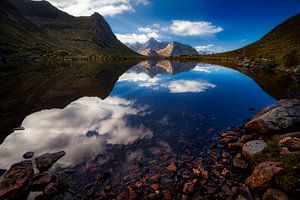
152 110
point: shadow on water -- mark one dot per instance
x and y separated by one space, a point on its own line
27 88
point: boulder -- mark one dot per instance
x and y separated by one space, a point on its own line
281 117
45 161
274 194
40 181
263 174
253 148
16 181
292 143
28 155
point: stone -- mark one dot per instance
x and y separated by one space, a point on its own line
50 190
40 181
235 145
45 161
253 148
246 138
263 174
154 186
172 167
188 188
28 155
16 181
131 194
240 163
274 194
240 197
281 117
292 143
284 151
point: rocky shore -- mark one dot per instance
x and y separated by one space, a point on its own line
259 160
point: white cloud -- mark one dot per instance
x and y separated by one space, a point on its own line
104 7
82 129
134 37
207 68
190 28
183 86
204 47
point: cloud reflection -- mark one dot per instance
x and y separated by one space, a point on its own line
183 86
82 129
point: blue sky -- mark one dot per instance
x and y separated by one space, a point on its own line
218 25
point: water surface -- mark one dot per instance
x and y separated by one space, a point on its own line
154 109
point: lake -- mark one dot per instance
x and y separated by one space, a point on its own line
121 118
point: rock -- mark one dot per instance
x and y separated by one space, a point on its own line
281 117
28 155
166 194
226 189
188 188
235 145
226 155
292 143
154 186
229 139
246 138
225 172
263 174
131 195
274 194
40 181
240 197
253 148
15 182
45 161
50 191
2 171
240 163
172 167
284 151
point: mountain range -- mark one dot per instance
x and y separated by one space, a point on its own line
153 48
36 28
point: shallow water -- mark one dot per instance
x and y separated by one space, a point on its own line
153 109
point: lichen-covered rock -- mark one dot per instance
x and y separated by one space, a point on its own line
253 148
45 161
281 117
263 174
16 181
274 194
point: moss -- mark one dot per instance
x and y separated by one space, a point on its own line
290 179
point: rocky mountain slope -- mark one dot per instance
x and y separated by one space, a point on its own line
54 32
176 49
281 46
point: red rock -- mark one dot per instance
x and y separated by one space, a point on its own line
16 180
274 194
188 188
167 194
45 161
131 195
51 190
154 186
263 174
172 167
40 181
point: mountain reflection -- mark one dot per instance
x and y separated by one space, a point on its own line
70 129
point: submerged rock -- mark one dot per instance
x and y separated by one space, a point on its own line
253 148
28 155
281 117
45 161
275 194
263 174
16 181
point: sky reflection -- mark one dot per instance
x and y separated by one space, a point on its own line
82 129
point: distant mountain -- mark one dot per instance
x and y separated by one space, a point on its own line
177 49
149 53
154 45
54 31
281 45
135 46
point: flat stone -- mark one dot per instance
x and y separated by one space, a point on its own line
263 174
253 148
279 118
274 194
28 155
45 161
15 182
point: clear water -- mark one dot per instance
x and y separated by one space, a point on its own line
153 109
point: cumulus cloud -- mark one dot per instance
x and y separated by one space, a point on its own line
183 86
134 37
104 7
161 82
193 28
204 47
82 129
207 68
